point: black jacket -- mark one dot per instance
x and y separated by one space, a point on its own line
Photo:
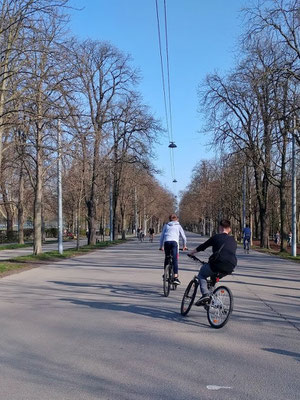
226 261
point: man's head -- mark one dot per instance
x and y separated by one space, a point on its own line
173 217
224 226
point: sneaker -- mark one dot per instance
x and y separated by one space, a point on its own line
176 281
203 300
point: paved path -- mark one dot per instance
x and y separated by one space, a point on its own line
98 327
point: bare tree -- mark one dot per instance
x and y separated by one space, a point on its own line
104 77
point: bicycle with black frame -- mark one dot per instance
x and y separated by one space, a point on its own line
220 304
246 244
168 276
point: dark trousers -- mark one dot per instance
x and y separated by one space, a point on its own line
171 248
204 273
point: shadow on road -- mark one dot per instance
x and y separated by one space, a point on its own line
296 356
136 309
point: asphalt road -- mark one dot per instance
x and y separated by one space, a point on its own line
98 327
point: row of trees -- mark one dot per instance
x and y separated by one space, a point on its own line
251 113
88 92
217 191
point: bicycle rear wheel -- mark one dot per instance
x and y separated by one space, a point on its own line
189 297
220 307
171 274
166 280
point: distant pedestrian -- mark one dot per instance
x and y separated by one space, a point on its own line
151 234
277 238
289 242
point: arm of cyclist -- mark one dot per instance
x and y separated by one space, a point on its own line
182 234
162 236
202 246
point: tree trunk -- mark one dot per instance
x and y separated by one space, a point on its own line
37 244
283 200
21 207
91 202
123 224
9 214
91 221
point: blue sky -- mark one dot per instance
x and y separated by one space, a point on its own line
202 37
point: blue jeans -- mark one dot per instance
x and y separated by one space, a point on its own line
171 248
204 273
246 238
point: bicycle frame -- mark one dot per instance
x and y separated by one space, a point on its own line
220 305
168 277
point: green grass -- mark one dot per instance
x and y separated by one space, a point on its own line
14 246
23 261
281 254
8 266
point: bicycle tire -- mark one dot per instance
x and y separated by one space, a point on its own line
189 297
220 307
166 280
171 275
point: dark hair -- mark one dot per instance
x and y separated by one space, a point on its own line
225 223
172 217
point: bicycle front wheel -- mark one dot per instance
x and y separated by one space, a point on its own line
166 281
220 307
189 297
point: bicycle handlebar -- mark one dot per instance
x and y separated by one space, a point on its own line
195 258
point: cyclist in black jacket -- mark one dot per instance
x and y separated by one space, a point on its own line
223 259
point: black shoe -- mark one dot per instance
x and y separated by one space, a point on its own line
203 300
176 281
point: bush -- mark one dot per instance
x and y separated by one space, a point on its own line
28 233
51 232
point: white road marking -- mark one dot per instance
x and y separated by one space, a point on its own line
214 387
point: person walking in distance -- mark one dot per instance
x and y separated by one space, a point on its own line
169 241
151 234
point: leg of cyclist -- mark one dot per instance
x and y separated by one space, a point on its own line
204 273
171 247
167 249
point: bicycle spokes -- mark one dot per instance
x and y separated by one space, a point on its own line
220 307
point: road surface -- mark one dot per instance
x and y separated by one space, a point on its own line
98 327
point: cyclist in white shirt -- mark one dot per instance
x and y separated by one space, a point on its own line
169 239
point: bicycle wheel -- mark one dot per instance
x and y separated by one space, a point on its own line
220 307
166 280
171 275
189 297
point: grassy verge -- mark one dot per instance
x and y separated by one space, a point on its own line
29 261
14 246
9 266
281 254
